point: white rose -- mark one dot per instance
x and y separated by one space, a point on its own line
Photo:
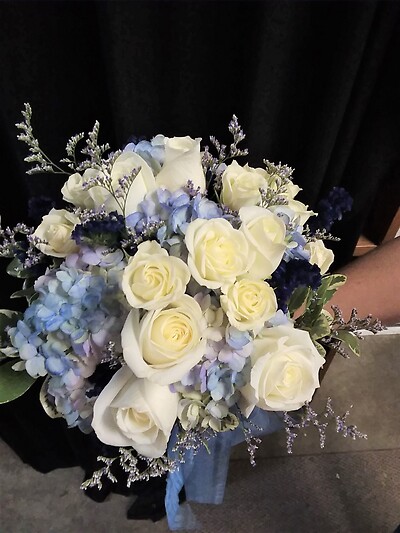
218 253
248 304
320 255
241 185
135 412
266 234
143 183
74 192
182 163
152 278
284 373
56 229
167 342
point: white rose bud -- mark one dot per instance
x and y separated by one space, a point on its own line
300 211
320 255
152 278
284 373
56 229
218 253
292 190
74 192
241 185
143 183
135 412
248 304
182 163
288 191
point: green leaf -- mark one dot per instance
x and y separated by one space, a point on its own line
47 403
337 280
350 340
320 328
310 316
320 348
297 299
330 284
8 318
16 269
24 293
13 384
316 301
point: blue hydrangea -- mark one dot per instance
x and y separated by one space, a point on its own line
224 368
295 248
64 330
68 395
176 210
279 319
223 383
237 339
204 208
153 151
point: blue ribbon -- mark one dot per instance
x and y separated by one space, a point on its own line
204 474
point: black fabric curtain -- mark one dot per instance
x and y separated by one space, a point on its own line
314 85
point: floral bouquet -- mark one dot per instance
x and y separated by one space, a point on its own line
176 300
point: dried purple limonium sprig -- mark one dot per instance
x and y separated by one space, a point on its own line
71 151
341 426
212 164
280 176
307 417
93 149
20 243
347 333
43 162
193 440
96 479
136 466
319 234
356 324
252 444
140 468
111 356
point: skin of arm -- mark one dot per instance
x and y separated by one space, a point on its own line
373 285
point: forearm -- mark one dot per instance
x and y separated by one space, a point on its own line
373 285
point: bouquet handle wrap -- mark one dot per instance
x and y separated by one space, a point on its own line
204 474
